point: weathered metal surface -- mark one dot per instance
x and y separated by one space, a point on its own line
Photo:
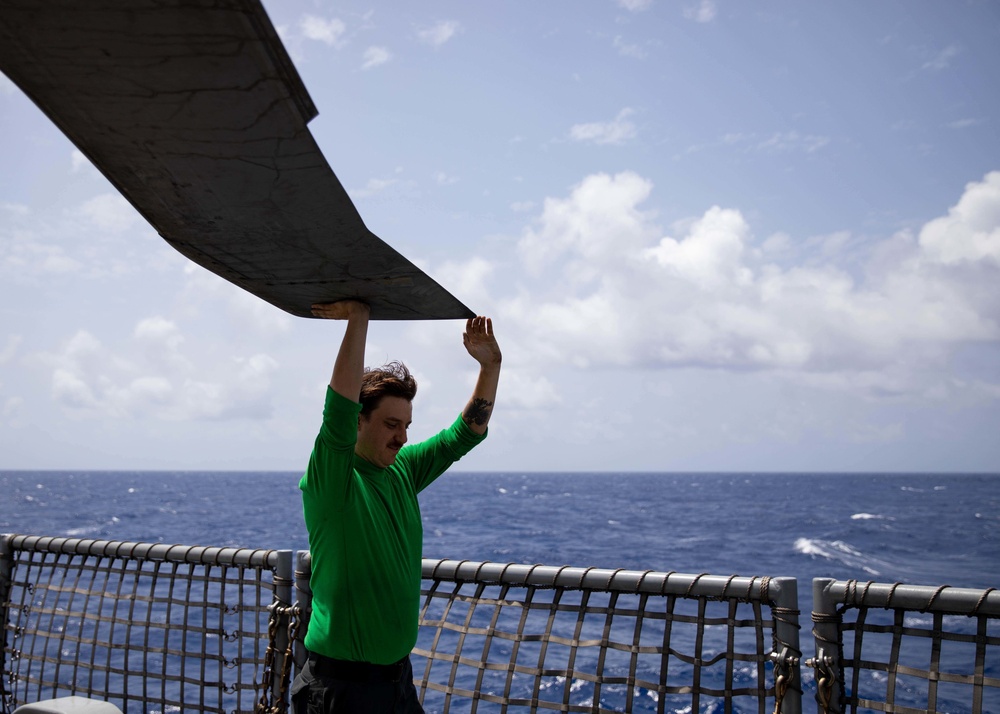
195 112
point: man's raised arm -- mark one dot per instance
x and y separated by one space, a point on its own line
350 364
482 345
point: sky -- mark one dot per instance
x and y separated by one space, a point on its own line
713 235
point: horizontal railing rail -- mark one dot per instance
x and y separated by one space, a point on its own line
206 555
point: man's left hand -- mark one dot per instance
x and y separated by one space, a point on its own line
481 343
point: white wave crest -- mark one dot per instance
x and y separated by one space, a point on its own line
871 517
81 531
838 551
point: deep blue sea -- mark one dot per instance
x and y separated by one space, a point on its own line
926 529
917 528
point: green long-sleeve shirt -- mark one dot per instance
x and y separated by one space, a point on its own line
366 536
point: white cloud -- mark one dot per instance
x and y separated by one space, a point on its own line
712 254
635 5
703 11
81 355
292 40
10 348
56 261
327 31
468 280
964 123
791 141
100 239
28 245
69 390
443 179
159 331
148 377
616 131
252 399
776 142
374 186
109 212
152 390
376 56
970 233
598 221
12 408
79 162
439 33
523 390
942 60
161 340
627 49
615 291
252 314
15 209
258 315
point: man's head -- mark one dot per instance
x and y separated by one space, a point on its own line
386 412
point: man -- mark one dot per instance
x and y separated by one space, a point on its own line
359 496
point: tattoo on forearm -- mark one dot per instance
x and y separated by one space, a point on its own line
478 412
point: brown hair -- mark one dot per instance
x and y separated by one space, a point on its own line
389 380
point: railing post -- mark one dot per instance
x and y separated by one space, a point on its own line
827 636
282 602
786 631
303 596
6 582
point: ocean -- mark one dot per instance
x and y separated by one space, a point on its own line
923 529
926 529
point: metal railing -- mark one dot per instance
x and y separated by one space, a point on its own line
143 626
154 626
510 637
586 639
905 648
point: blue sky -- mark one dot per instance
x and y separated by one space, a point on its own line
713 235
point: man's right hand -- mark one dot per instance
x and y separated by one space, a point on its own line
341 310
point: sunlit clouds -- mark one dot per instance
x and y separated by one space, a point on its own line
618 291
970 233
600 223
